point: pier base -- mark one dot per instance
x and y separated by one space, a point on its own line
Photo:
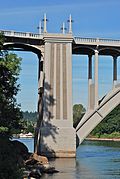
58 142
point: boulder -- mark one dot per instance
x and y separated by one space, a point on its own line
48 169
35 173
41 159
31 161
21 149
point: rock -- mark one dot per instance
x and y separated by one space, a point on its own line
40 159
46 168
50 170
37 158
39 164
26 173
34 158
31 161
21 149
35 173
20 161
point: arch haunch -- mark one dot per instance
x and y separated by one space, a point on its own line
22 47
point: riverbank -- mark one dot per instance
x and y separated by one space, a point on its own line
114 136
103 139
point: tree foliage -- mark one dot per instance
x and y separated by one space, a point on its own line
30 116
111 124
78 112
10 114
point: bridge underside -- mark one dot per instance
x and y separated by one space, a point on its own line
78 49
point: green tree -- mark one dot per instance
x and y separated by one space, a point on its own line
30 127
78 112
30 116
10 113
110 124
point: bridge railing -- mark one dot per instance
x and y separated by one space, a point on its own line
96 40
21 34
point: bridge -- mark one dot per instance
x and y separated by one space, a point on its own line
55 135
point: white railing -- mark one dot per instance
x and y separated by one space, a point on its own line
85 39
21 34
76 39
96 40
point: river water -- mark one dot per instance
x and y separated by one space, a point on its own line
94 160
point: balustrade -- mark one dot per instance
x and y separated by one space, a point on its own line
96 40
21 34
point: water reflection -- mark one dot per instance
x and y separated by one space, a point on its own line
94 160
100 157
67 168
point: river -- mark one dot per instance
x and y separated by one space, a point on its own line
94 160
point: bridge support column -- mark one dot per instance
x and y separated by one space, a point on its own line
90 84
58 137
40 103
114 71
96 79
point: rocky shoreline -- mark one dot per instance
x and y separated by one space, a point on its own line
32 165
37 165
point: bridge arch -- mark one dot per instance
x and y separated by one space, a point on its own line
110 51
93 118
23 46
88 50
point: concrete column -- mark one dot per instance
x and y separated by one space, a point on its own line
61 81
46 98
58 137
54 88
40 74
69 83
96 78
40 105
89 79
114 71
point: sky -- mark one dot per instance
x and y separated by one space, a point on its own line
92 18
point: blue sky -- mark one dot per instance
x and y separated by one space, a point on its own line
92 18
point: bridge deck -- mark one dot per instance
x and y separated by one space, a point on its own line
84 46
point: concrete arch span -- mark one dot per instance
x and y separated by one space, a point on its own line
22 46
94 117
111 51
83 50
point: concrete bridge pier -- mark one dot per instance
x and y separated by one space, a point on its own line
96 79
90 85
57 135
40 103
114 71
93 86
